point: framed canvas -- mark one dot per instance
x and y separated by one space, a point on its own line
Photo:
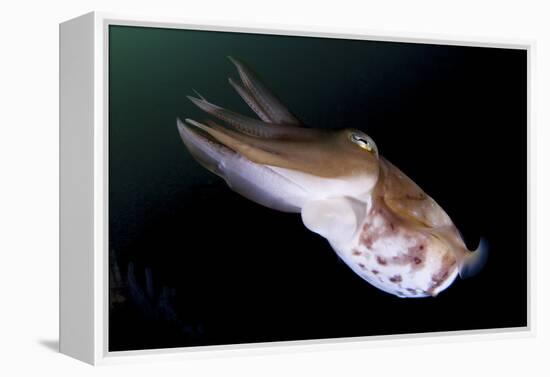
227 188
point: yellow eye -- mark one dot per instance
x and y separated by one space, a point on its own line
362 141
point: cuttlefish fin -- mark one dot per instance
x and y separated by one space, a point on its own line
474 261
260 99
407 200
336 219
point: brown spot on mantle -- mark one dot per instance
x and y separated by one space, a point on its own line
414 256
367 240
396 279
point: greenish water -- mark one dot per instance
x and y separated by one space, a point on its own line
152 71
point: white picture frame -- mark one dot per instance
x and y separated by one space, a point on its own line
84 187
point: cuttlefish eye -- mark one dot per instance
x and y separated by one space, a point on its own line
363 141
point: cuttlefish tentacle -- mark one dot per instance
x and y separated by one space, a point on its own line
383 225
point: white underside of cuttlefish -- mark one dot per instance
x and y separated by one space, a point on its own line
380 223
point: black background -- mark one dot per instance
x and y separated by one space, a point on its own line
193 263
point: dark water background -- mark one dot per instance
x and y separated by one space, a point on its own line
193 263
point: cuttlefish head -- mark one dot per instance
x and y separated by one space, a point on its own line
278 162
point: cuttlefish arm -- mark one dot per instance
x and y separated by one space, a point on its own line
335 179
259 98
251 180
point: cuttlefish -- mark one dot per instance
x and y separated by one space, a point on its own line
378 221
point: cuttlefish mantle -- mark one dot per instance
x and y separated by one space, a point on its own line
380 223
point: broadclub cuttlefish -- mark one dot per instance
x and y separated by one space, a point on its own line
379 222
